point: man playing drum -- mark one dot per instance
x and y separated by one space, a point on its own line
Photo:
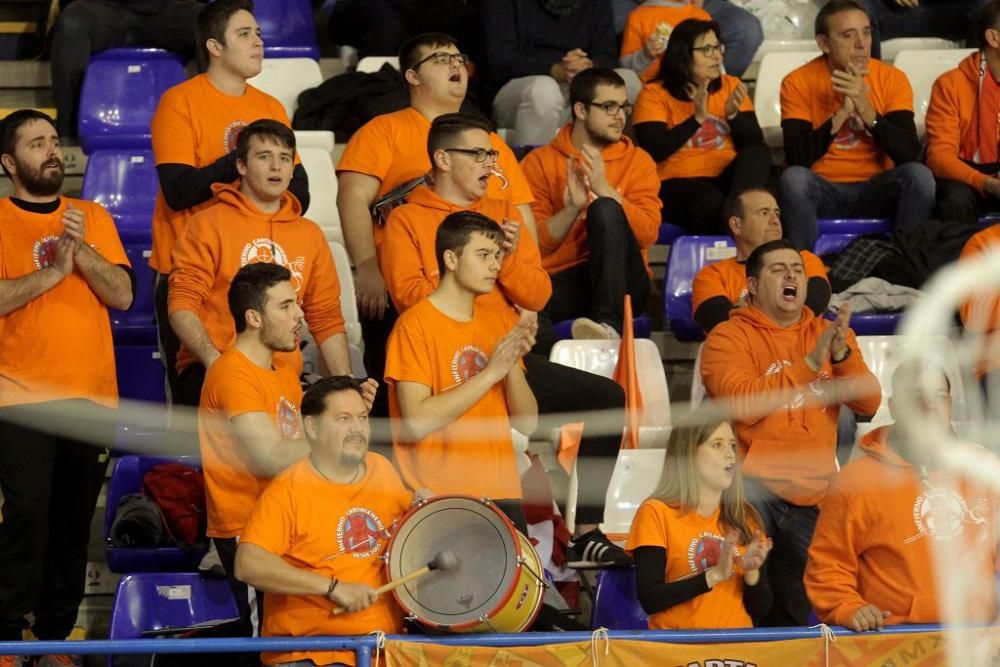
316 533
455 375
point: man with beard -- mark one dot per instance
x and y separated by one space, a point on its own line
597 209
248 422
317 535
61 266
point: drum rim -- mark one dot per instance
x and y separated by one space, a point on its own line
504 599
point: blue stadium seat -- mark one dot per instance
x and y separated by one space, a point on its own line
149 602
669 232
288 28
125 183
863 324
139 368
854 226
119 95
138 245
127 478
688 255
832 243
641 327
616 606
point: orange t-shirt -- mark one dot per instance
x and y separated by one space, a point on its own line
195 124
223 238
710 150
393 148
644 20
693 544
430 348
728 278
409 262
236 386
807 94
336 530
981 313
58 345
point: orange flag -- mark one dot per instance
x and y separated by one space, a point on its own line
626 376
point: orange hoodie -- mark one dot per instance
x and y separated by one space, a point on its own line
232 233
874 538
981 313
791 451
409 262
951 115
630 170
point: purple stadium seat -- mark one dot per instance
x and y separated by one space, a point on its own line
137 53
615 604
147 602
863 324
119 96
138 245
641 326
855 226
127 478
125 183
288 28
668 233
832 243
688 255
138 367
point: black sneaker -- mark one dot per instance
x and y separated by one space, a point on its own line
594 549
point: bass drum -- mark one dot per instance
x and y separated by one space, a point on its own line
497 583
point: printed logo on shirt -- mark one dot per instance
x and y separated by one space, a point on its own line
468 361
231 134
288 419
704 551
359 531
815 387
44 251
851 134
942 514
267 251
711 135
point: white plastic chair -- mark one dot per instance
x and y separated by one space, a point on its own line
285 78
697 387
349 309
767 96
923 68
322 192
893 47
784 46
322 139
637 472
372 64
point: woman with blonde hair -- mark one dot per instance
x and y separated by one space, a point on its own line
697 541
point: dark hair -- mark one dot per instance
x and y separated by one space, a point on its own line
822 25
675 68
987 18
755 262
447 128
213 21
733 206
265 128
314 400
584 85
10 125
457 228
248 291
409 52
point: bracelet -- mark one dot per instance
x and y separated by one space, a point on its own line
333 584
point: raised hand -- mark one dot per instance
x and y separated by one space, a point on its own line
755 553
699 95
841 328
511 236
576 193
734 100
74 225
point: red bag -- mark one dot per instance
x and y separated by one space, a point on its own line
179 491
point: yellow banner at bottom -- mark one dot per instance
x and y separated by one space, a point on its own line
856 650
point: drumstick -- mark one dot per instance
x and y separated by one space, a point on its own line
444 560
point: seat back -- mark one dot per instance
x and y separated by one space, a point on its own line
688 255
348 300
616 605
138 244
126 477
119 97
322 192
636 474
767 95
923 68
830 243
891 48
125 183
287 28
146 602
285 78
372 64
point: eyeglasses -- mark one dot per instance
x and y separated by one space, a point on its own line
444 58
710 50
612 108
480 154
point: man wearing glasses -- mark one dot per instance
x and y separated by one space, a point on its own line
597 207
382 161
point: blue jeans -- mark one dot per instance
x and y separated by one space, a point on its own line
741 31
790 528
905 193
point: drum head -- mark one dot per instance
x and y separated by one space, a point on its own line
482 541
